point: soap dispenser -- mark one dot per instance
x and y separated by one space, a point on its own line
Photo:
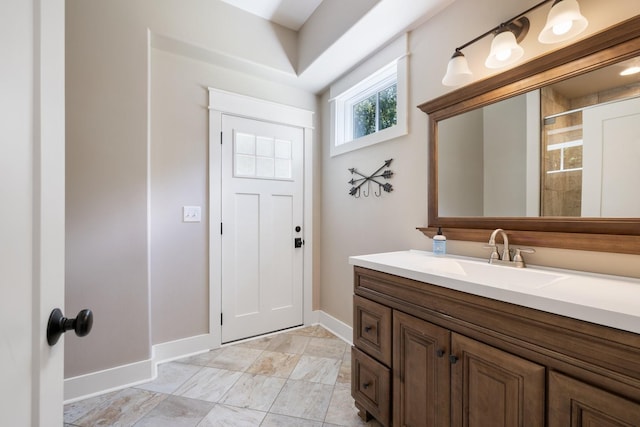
439 243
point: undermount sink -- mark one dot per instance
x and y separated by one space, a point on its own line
489 274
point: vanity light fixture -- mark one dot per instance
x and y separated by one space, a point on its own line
563 22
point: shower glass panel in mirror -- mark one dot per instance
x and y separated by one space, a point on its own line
570 149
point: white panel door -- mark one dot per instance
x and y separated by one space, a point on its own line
31 210
611 155
262 212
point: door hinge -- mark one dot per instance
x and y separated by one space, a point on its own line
220 137
220 228
221 319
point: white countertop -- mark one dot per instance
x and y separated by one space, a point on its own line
606 300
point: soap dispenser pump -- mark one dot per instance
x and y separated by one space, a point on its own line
439 243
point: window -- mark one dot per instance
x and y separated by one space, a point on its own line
373 109
564 157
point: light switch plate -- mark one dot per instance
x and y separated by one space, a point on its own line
191 214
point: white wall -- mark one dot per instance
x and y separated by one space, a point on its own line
359 226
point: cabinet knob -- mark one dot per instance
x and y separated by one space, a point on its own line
453 359
440 353
366 385
368 328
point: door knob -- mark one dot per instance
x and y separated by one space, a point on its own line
58 325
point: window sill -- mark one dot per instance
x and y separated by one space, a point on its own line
372 139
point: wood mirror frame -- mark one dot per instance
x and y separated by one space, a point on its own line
619 235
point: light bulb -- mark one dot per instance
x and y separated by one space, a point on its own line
504 50
562 28
631 70
503 54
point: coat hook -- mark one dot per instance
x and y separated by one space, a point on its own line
387 174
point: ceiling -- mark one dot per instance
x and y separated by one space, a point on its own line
288 13
331 36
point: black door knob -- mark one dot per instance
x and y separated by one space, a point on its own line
58 324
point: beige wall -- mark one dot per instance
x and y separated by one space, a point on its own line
359 226
137 135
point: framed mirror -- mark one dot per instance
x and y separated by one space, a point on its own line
549 150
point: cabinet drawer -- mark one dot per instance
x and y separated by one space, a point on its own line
372 328
371 385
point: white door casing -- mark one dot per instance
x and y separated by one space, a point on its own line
262 199
32 210
223 102
610 159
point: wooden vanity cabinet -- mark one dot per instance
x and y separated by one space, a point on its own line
445 379
463 360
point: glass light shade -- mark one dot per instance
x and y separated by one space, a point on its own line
504 50
458 72
563 22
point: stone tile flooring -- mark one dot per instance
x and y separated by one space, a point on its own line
297 378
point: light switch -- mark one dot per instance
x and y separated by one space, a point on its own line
191 214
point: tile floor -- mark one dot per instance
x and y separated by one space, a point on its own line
296 378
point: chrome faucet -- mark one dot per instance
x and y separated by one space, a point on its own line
505 258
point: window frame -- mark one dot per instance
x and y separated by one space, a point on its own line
342 140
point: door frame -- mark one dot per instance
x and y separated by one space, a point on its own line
224 102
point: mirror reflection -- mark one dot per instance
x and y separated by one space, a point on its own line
570 149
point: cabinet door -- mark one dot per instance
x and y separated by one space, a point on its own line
574 403
421 373
494 388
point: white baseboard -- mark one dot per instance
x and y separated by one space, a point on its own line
100 382
337 327
119 377
168 351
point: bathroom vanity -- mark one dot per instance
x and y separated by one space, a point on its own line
454 341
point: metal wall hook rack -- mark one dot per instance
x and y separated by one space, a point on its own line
358 187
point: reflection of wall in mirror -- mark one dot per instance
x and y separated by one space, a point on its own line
460 165
482 161
505 154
